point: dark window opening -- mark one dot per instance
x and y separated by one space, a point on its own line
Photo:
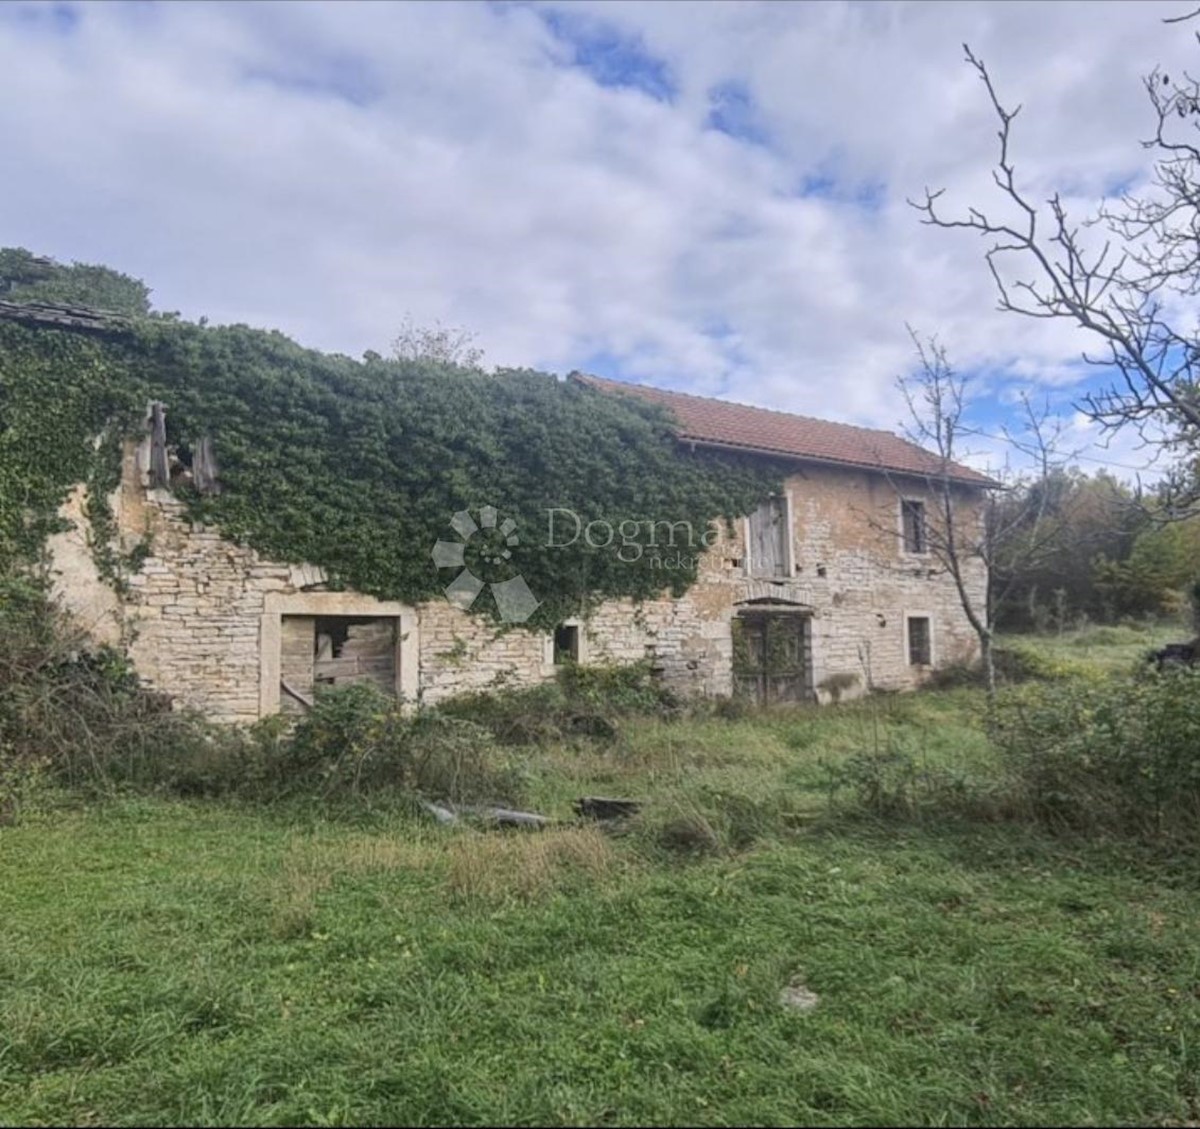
920 646
912 515
566 643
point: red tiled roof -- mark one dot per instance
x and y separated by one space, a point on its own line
719 423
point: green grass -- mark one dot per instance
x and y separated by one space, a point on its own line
169 963
1106 648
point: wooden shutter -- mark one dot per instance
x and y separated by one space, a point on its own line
768 538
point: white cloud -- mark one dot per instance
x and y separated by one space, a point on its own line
326 168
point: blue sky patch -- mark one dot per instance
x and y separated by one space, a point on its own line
733 111
610 58
824 185
58 19
603 364
819 184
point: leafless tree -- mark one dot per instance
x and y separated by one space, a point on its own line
441 344
958 535
1119 274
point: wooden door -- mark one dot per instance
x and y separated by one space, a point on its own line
771 659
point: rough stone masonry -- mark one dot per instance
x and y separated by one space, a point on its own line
219 628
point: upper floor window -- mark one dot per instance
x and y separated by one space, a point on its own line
912 522
769 536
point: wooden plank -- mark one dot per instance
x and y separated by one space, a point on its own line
335 669
767 545
160 471
296 635
605 807
294 695
204 467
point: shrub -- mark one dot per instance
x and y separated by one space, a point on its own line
1018 662
1120 754
531 716
75 716
620 688
355 739
81 718
582 701
453 759
953 675
835 685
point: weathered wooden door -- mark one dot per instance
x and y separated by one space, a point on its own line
771 657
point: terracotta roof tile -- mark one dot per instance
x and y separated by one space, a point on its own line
720 423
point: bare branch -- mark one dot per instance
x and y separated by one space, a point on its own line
1112 292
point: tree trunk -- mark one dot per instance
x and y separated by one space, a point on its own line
988 662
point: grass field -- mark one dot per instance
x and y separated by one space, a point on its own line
168 963
1109 648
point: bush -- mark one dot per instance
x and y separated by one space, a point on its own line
356 740
81 718
532 716
954 675
582 702
74 716
1109 636
890 783
1018 662
1120 754
627 688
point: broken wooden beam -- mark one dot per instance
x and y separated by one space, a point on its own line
292 692
160 467
443 815
447 813
204 467
507 817
605 807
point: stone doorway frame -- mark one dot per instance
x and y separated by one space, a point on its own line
276 605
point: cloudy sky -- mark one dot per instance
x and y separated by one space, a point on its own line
705 196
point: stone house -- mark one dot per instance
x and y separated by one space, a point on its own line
826 590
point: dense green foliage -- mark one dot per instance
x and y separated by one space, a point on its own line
59 393
25 277
1116 753
1045 574
581 702
1159 575
359 467
1083 548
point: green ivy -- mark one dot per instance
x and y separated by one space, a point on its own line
59 393
359 466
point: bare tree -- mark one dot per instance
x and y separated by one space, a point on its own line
960 537
1122 286
441 344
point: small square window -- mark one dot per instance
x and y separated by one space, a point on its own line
912 519
920 642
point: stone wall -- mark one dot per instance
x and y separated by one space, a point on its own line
202 616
